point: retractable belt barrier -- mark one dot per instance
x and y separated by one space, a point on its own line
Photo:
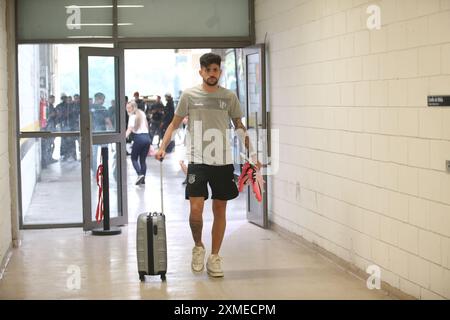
100 207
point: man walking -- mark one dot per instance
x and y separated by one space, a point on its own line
210 109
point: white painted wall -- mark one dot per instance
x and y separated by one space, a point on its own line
5 212
28 76
362 157
28 59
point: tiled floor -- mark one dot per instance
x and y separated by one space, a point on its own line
258 263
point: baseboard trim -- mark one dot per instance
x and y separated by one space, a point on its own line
5 260
347 266
16 243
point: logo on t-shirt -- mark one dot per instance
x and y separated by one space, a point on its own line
222 104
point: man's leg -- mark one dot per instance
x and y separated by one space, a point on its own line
196 224
196 219
223 189
218 229
213 264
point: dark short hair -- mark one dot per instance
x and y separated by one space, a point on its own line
210 58
99 95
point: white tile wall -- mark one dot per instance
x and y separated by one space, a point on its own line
419 212
409 287
374 186
430 246
398 261
408 238
429 295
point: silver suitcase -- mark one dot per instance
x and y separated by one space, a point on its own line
151 243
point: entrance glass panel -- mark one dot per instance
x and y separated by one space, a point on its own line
102 94
49 142
49 185
113 160
103 125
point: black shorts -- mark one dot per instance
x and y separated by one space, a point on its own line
220 179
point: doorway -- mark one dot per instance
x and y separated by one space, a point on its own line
170 71
49 183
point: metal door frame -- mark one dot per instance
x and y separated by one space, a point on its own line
262 221
87 139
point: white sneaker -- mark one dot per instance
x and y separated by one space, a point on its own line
213 266
198 259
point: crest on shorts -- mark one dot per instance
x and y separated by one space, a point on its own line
191 178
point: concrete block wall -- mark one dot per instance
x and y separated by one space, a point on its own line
362 157
5 212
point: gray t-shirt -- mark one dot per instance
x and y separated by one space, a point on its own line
209 124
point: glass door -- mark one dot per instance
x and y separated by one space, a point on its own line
257 125
48 135
103 125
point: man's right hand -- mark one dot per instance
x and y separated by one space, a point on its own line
160 154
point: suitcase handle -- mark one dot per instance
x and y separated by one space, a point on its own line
161 183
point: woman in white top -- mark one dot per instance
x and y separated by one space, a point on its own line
137 124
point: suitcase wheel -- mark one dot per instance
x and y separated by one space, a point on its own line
142 276
163 276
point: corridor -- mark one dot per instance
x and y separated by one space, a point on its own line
258 263
347 103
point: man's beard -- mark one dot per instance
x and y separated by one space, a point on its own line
211 84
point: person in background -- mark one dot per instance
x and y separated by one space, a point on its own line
129 139
73 124
126 113
112 113
137 124
156 112
169 111
62 116
48 144
139 102
101 122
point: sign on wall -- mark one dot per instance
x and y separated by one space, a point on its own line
439 101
